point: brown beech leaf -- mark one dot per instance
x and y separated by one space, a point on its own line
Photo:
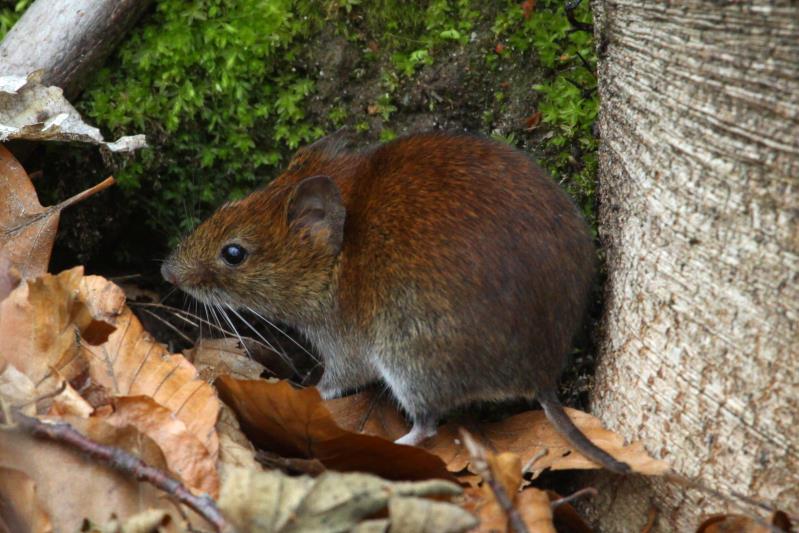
41 325
20 509
235 449
132 363
369 412
217 357
528 434
27 230
502 473
296 423
71 487
9 275
16 389
185 455
69 402
733 523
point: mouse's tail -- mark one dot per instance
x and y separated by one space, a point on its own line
558 417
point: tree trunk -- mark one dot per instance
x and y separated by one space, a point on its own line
699 215
68 39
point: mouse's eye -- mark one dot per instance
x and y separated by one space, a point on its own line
233 254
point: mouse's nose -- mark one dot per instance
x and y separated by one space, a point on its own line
168 274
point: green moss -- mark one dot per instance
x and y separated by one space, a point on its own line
225 93
10 11
213 84
568 99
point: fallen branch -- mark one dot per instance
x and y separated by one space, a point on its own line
124 462
482 468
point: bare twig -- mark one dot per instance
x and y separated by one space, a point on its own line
587 491
569 7
124 462
480 464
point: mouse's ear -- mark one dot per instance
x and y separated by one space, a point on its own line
316 204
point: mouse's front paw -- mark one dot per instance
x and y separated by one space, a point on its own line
328 390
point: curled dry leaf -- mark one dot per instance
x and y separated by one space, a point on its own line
20 508
69 403
71 487
235 449
132 363
218 357
16 389
419 515
185 455
498 502
528 434
273 502
34 112
27 230
41 324
733 523
296 423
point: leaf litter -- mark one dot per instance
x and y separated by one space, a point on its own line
72 351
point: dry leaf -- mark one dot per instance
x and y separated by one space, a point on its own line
535 510
217 357
528 434
420 515
532 121
16 389
27 230
235 449
369 412
502 474
41 324
69 402
273 502
71 487
132 363
733 523
185 455
149 521
20 509
296 423
34 112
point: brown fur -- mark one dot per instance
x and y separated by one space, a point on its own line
462 274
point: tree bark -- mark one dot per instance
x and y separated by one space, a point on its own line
68 39
699 216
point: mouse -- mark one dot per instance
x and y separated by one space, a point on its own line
449 266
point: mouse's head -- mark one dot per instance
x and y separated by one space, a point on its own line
273 252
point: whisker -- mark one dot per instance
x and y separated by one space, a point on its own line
289 337
286 359
168 324
170 293
218 305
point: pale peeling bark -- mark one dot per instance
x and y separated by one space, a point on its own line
699 214
68 39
